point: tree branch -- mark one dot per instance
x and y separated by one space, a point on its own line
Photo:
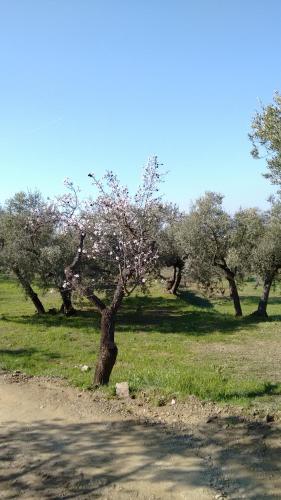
92 297
74 266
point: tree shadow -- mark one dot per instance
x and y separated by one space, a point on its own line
267 389
123 459
78 460
274 317
30 352
149 314
195 300
83 319
254 300
249 453
157 314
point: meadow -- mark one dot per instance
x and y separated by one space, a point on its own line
168 346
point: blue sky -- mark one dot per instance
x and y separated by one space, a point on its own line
92 85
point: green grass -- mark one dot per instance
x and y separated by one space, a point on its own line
168 347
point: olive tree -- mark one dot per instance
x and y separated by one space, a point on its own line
172 252
207 277
267 256
63 258
208 230
266 137
26 228
220 245
56 259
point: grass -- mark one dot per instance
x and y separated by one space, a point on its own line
168 346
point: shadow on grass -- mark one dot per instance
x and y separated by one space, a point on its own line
268 389
255 319
254 300
274 317
195 300
88 319
32 351
149 314
157 314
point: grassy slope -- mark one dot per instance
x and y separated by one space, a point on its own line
167 346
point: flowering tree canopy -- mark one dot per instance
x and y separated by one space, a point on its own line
118 247
121 230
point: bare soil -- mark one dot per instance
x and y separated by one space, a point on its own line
59 442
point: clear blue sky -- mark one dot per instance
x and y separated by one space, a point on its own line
89 85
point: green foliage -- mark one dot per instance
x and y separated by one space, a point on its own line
56 256
26 229
247 230
203 233
266 137
170 240
267 252
219 244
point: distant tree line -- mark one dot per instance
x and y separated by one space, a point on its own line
105 247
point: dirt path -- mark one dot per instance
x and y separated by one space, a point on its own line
59 443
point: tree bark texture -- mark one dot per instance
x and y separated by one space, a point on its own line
233 292
177 281
170 282
108 348
67 308
74 267
29 291
261 310
174 283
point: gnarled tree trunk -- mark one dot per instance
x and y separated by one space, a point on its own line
67 308
233 292
171 282
108 348
29 291
174 283
261 310
177 281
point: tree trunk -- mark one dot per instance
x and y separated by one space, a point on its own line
230 276
108 348
233 292
261 311
66 308
29 291
177 281
171 282
174 282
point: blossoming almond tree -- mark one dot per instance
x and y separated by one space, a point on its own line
120 249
